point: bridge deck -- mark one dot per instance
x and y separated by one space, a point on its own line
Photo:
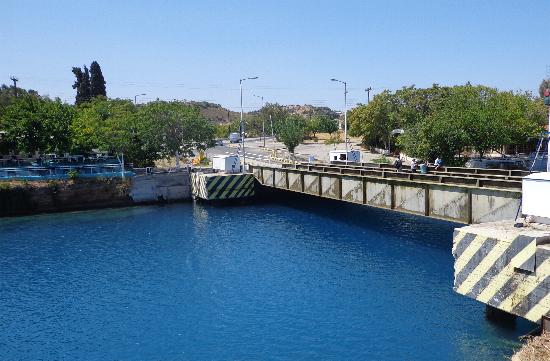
460 199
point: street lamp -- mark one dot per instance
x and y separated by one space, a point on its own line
368 94
242 123
345 114
135 97
263 119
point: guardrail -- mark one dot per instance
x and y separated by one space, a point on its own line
481 181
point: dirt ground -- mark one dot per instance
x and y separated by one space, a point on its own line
535 349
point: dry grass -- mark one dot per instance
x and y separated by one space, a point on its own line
535 349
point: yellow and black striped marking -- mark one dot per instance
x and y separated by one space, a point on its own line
222 186
510 274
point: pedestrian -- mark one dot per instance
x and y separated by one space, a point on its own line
438 162
424 167
414 165
398 163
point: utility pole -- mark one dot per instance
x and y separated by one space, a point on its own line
345 114
368 94
242 121
15 80
263 119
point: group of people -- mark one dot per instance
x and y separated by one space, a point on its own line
415 165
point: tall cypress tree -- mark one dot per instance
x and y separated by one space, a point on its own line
96 80
82 85
86 90
78 85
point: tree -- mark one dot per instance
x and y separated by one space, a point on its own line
174 128
544 84
291 131
35 124
82 85
97 82
327 124
111 125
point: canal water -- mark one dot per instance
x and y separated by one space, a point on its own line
262 281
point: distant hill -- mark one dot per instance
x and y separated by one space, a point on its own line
220 115
309 110
215 112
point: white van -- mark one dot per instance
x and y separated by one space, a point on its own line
234 137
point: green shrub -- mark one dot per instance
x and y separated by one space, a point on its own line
5 186
382 160
73 174
334 139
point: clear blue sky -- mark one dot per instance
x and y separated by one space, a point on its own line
198 50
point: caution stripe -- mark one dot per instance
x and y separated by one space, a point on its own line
468 253
230 186
508 274
498 281
502 255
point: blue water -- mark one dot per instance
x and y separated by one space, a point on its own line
263 281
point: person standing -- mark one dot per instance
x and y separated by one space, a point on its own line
398 163
414 165
424 167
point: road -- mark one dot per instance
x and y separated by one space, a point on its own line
256 152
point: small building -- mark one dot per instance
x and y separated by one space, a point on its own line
340 155
226 163
536 197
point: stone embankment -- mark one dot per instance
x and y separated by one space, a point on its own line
28 197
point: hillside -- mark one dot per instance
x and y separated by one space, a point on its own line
220 115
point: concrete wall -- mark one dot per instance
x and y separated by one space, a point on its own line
352 189
379 194
455 202
410 198
163 187
450 203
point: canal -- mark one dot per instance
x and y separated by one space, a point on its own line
267 280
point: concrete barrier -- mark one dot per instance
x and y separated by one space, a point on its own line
504 267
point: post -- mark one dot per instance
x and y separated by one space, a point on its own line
122 165
242 125
548 158
346 118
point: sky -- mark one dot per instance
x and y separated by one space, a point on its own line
198 50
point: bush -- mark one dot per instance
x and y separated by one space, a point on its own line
381 160
334 139
5 186
73 174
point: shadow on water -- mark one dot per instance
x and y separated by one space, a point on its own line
422 230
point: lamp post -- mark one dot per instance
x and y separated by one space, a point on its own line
345 114
263 120
135 97
242 123
368 94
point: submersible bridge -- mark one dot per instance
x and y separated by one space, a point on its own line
504 267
